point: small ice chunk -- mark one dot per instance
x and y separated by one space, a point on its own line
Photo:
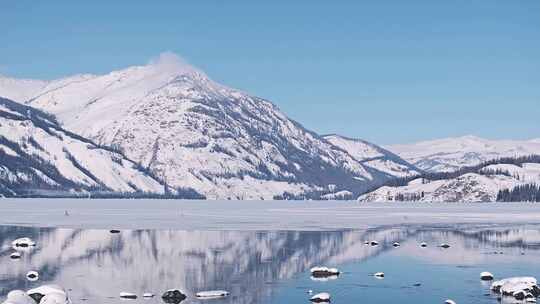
449 302
379 274
15 255
444 245
322 297
396 244
148 295
212 294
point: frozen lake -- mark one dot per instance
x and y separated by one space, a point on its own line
253 215
272 267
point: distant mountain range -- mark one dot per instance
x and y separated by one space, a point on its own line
450 154
166 128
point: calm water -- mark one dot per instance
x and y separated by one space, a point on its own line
273 267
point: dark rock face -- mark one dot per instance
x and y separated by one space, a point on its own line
36 296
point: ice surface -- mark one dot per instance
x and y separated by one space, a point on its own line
253 215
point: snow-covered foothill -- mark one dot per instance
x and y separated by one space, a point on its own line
322 297
212 294
470 187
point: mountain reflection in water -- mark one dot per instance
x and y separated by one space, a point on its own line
96 265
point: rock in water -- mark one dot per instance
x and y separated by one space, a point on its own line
24 242
49 294
445 246
173 296
32 276
15 256
374 243
18 297
423 245
212 294
323 272
518 287
127 295
486 276
379 274
114 231
396 244
323 297
148 295
449 302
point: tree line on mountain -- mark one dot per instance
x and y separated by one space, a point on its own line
520 193
478 169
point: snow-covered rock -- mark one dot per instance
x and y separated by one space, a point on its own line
212 294
517 287
322 297
449 302
127 295
486 276
379 274
450 154
148 295
23 243
49 294
321 271
18 297
15 255
32 276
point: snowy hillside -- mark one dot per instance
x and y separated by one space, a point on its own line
373 156
37 155
453 153
193 132
470 187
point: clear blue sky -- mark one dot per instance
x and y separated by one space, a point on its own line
386 71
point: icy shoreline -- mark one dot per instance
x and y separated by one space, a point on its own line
254 215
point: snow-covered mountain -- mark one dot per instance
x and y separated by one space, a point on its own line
373 156
470 187
193 132
450 154
37 154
